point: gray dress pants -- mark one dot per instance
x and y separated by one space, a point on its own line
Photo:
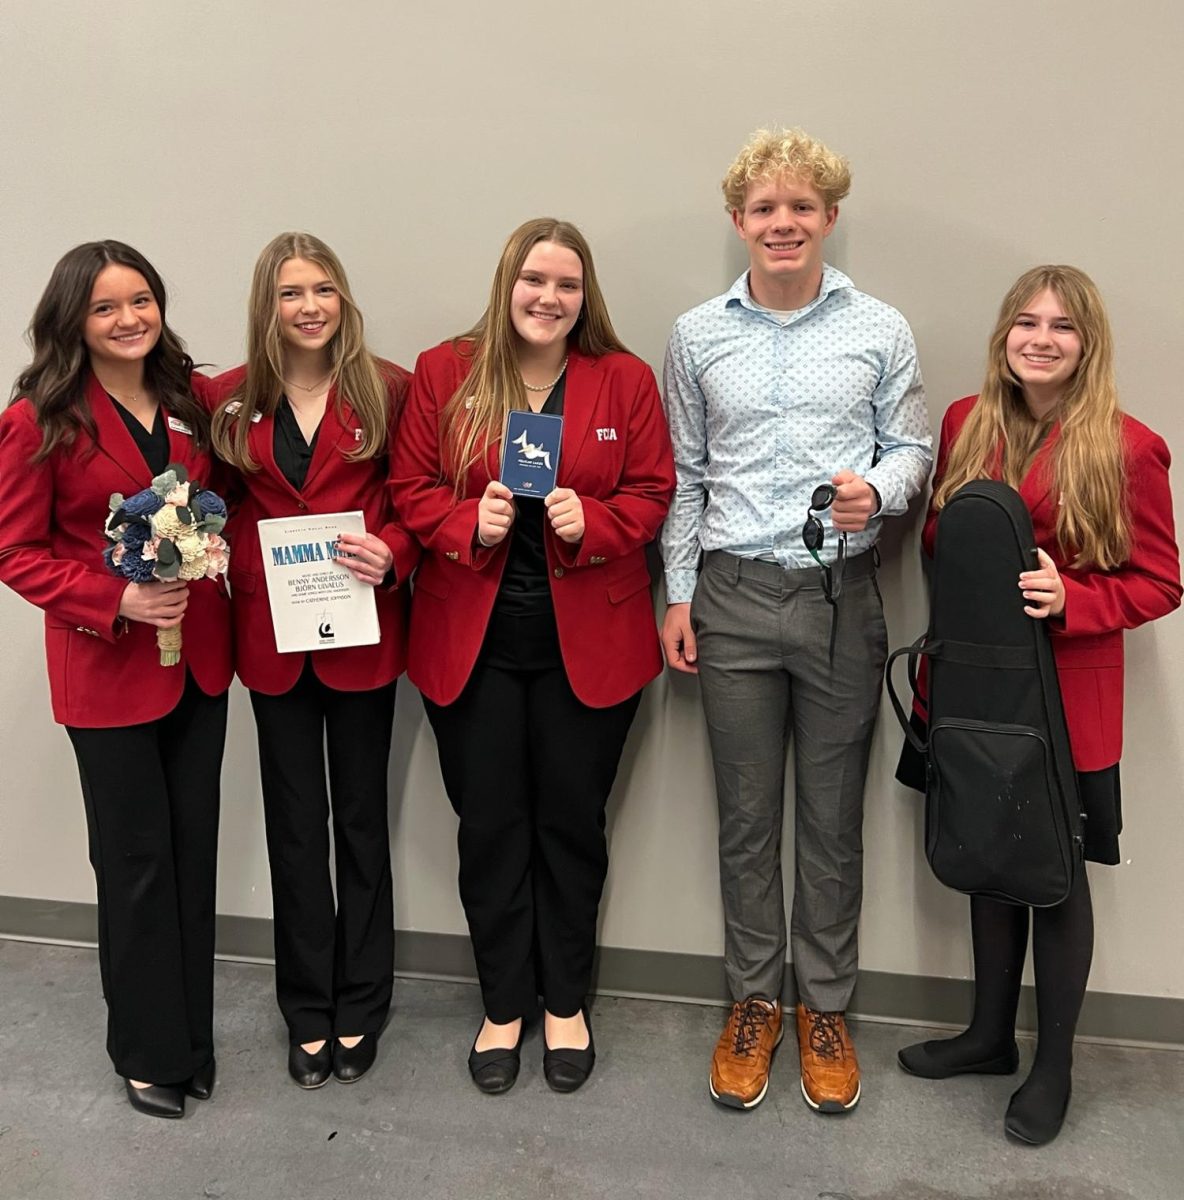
766 679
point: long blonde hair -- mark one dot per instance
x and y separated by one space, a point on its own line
475 416
355 371
1088 469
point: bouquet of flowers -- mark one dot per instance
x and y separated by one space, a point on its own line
170 530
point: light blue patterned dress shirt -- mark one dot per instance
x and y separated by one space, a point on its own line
763 407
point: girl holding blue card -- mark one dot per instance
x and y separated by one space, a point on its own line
532 625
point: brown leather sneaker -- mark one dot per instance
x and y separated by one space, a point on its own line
830 1070
740 1065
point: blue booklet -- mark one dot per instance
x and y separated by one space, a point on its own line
530 452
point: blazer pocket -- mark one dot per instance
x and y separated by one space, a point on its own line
240 580
629 585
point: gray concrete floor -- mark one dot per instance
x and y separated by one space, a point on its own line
642 1127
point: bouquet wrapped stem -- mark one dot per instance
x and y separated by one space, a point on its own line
168 641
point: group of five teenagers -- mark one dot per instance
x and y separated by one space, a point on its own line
532 634
532 629
306 423
104 406
1047 422
792 393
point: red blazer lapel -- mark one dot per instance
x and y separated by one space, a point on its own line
113 439
335 436
584 382
1036 485
181 445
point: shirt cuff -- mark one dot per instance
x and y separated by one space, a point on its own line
680 586
891 497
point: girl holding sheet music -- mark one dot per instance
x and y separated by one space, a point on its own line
532 626
307 422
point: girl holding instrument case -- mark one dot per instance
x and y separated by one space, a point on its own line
1095 481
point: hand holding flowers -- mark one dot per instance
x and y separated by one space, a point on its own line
164 537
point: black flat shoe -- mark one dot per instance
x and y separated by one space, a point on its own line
201 1085
1027 1123
310 1070
917 1060
350 1063
565 1069
157 1100
496 1071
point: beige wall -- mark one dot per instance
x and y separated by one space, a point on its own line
985 137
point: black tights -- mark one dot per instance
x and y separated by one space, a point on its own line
1062 947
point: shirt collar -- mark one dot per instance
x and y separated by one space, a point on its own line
833 280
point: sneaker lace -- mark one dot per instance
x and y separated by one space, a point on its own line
751 1018
826 1037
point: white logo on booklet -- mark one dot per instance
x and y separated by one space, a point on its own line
531 450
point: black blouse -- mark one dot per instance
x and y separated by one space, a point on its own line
153 446
293 454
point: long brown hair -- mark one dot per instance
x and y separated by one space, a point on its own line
55 381
355 371
476 414
1088 469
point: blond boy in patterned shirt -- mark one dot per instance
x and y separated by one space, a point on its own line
791 390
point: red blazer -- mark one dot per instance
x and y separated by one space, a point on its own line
334 484
616 456
103 672
1099 605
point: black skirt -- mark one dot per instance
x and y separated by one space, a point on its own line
1101 798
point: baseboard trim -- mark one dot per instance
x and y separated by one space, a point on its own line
650 974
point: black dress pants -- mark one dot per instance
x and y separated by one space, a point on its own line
528 769
151 796
334 960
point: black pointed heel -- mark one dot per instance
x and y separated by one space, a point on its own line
157 1100
201 1085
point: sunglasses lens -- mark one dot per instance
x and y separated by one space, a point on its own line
823 497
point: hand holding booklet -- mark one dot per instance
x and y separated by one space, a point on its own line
316 603
530 452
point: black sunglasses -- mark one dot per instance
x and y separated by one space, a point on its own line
813 535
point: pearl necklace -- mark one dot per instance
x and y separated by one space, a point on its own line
545 387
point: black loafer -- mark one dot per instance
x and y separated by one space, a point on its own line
157 1099
565 1069
350 1063
496 1071
201 1085
310 1070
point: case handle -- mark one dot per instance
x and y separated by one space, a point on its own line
918 649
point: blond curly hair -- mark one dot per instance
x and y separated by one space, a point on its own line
772 152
